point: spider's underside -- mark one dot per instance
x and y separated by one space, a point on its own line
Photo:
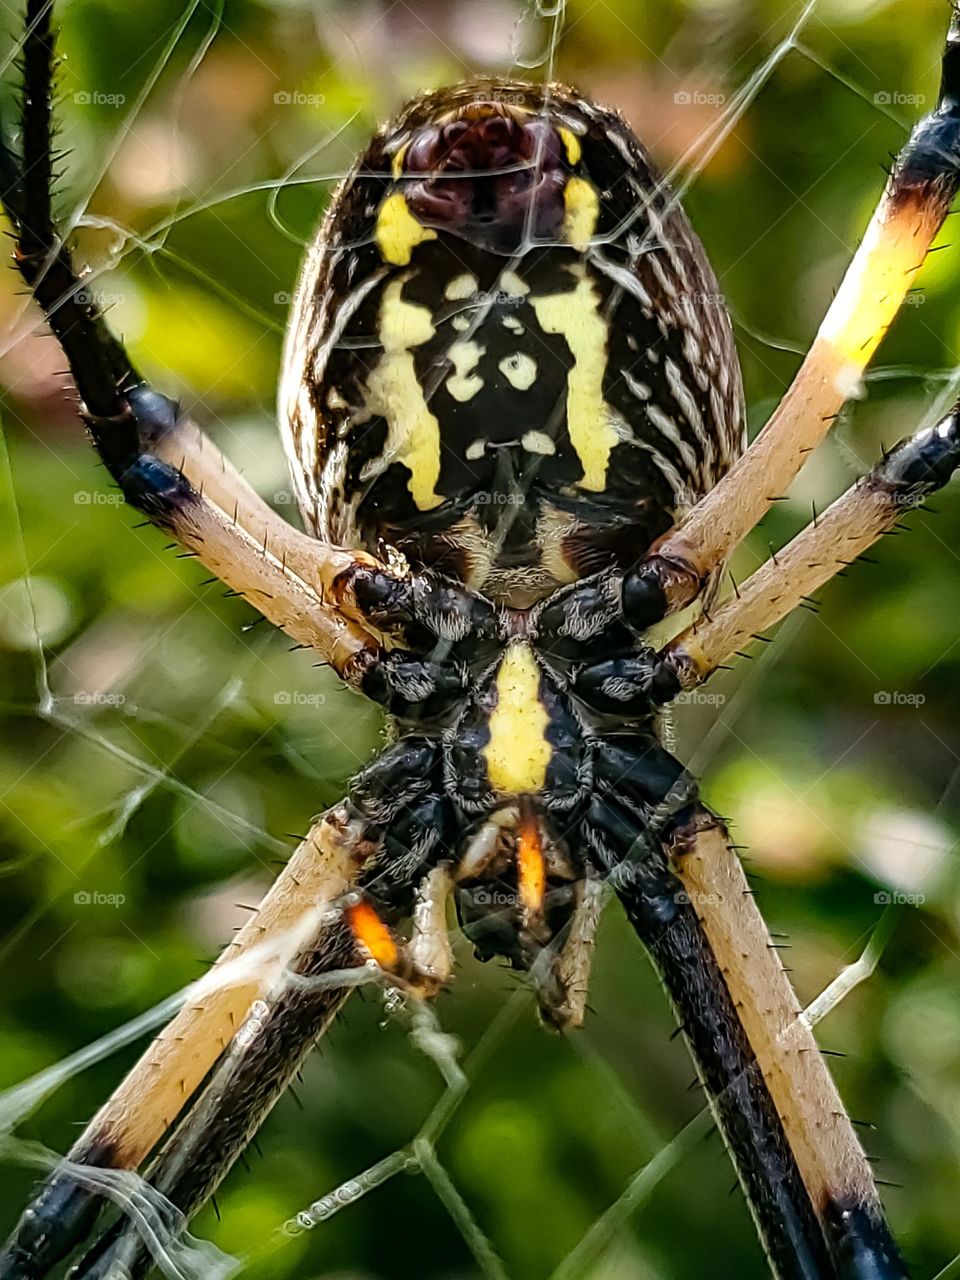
513 411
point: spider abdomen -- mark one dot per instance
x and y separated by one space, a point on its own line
509 358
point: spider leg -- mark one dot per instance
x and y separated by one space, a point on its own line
291 917
163 463
563 985
805 1177
909 473
825 1146
430 953
385 851
668 926
252 1076
917 198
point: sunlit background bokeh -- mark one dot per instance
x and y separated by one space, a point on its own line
157 759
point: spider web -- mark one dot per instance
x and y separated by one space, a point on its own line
106 705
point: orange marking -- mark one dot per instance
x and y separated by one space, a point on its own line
531 868
373 935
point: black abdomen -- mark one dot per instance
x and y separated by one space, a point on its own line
517 418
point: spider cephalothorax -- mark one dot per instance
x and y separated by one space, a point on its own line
526 736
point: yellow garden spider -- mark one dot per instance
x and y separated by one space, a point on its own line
513 412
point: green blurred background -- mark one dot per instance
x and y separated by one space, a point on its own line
155 756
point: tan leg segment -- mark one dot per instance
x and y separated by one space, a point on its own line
321 566
258 570
897 485
289 918
563 1002
429 949
914 205
829 1156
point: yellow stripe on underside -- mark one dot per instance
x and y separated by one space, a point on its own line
576 317
394 392
398 232
518 752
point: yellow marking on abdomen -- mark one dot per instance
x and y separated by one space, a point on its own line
518 752
576 317
396 164
464 383
581 210
394 392
571 144
398 232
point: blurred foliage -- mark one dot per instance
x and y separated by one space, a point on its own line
155 751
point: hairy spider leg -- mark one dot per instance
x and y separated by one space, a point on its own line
915 202
828 1154
291 920
164 465
405 826
913 469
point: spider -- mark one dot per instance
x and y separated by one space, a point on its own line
517 446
